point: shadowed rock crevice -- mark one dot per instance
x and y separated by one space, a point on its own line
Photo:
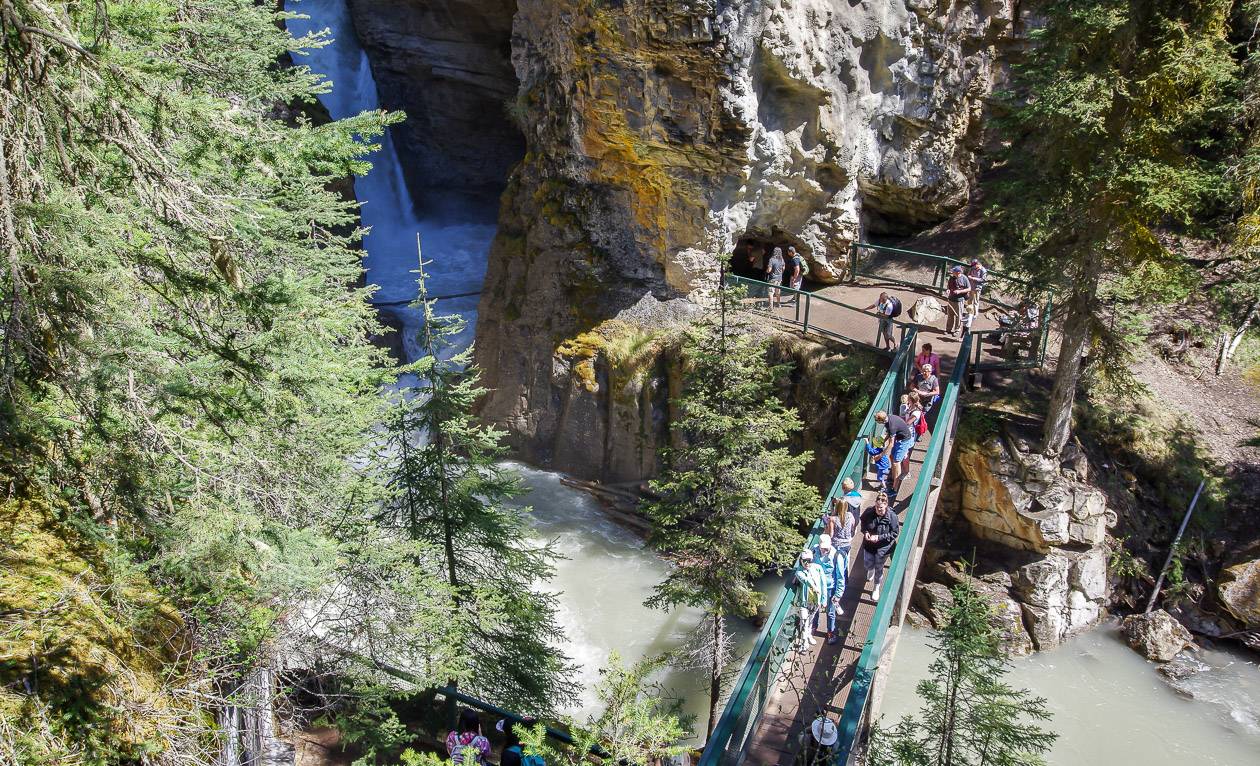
447 64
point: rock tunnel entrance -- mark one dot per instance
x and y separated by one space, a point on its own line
753 249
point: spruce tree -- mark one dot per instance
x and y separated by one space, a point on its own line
1107 114
451 490
731 494
970 716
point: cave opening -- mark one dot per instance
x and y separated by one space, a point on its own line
753 250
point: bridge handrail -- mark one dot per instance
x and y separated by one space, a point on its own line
944 260
809 298
872 650
762 653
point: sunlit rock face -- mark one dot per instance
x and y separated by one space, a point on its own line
660 133
1041 521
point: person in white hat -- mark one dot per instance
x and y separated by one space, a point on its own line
833 570
811 594
825 734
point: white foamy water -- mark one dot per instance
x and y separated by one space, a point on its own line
1112 708
456 235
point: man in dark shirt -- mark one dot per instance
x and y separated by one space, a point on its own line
898 440
959 288
880 527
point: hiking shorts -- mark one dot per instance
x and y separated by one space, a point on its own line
901 450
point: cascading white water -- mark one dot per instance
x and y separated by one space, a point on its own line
607 573
456 238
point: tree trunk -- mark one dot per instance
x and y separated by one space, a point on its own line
1230 345
1075 335
715 677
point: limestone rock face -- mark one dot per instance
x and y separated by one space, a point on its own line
659 133
1156 636
1020 500
1038 520
1239 589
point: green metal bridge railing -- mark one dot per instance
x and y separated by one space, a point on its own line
803 303
756 680
862 257
855 706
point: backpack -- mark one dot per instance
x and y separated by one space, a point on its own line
533 759
896 306
800 261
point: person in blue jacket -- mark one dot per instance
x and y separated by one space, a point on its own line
834 576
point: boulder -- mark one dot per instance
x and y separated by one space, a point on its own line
1021 500
1182 666
927 310
1156 636
1239 590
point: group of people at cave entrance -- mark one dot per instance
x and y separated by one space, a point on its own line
780 268
821 573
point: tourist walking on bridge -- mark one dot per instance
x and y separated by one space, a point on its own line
811 596
926 356
834 576
880 527
774 275
898 441
959 287
928 386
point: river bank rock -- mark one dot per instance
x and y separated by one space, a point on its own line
1239 589
933 600
1156 636
1035 523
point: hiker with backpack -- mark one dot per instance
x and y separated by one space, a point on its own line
958 288
888 307
466 745
513 751
796 269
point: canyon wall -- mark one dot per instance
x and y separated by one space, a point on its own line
447 63
659 133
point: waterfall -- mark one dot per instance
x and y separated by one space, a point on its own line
456 238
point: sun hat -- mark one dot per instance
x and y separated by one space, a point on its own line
824 541
807 554
824 731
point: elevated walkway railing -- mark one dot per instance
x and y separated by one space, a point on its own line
814 313
1024 347
899 578
756 681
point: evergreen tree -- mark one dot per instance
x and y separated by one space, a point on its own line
184 366
970 716
1108 113
450 488
730 495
